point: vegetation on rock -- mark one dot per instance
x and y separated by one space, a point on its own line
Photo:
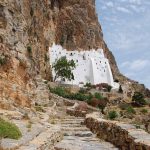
3 60
112 115
95 100
9 130
138 99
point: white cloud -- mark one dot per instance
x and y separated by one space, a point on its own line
123 9
110 4
139 64
137 2
136 65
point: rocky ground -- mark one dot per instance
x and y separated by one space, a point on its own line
51 128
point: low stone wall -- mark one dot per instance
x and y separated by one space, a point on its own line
76 113
80 109
124 136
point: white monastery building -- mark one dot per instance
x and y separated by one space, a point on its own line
91 66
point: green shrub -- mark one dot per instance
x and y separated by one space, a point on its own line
130 110
9 130
109 88
89 97
144 111
112 115
29 49
138 98
3 60
59 91
80 96
88 85
137 126
98 96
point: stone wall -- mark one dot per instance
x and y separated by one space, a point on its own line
124 136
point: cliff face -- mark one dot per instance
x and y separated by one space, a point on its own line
77 27
27 30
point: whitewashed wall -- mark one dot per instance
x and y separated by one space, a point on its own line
91 65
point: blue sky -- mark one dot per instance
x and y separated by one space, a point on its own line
126 28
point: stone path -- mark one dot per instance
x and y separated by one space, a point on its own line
78 137
47 129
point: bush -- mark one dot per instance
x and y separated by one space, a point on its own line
29 49
130 110
109 88
98 96
80 96
64 93
3 60
88 85
144 111
138 98
9 130
112 115
59 91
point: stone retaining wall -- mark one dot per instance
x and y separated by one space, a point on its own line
76 113
124 136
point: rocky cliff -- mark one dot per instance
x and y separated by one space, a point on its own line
27 30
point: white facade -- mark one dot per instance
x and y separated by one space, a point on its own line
91 66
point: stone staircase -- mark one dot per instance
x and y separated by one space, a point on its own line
78 137
53 129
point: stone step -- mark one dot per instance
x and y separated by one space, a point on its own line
74 143
72 121
75 129
44 141
79 133
71 125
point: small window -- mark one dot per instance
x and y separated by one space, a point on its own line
100 61
76 60
83 57
71 54
105 62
